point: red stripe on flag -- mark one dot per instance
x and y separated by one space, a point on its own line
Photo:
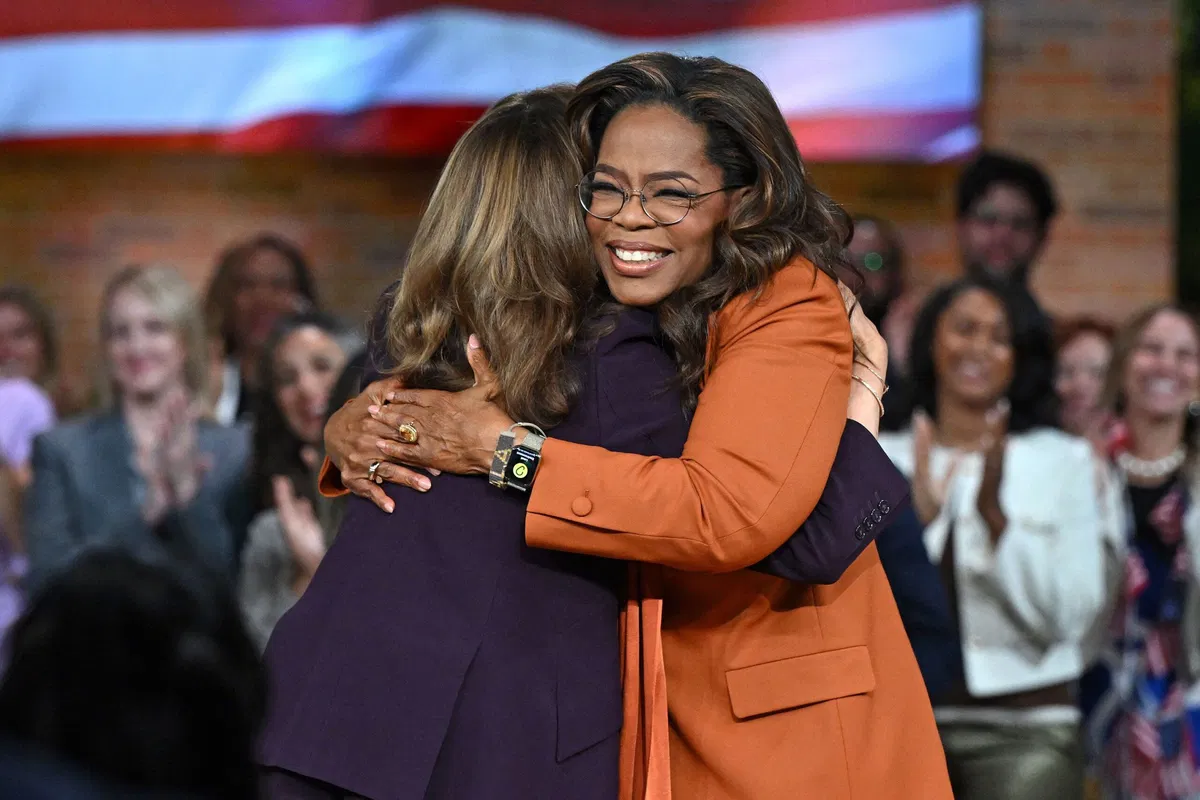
433 130
874 137
1145 737
634 18
401 131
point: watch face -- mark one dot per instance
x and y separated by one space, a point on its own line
522 466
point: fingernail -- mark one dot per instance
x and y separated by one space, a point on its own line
473 342
389 507
372 410
424 484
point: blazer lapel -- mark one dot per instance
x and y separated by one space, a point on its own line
116 473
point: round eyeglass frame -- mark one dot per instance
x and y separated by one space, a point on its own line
692 197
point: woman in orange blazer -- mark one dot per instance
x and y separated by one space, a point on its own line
776 689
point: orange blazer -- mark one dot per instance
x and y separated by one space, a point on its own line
754 687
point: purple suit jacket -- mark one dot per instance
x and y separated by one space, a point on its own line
434 654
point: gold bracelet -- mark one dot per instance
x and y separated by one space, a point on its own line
873 371
874 394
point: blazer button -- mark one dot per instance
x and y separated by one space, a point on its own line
884 507
859 533
581 506
869 524
875 515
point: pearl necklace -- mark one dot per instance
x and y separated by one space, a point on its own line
1145 470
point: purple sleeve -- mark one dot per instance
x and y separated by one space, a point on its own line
25 412
862 496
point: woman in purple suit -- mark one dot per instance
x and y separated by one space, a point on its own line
434 654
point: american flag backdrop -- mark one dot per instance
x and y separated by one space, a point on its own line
857 79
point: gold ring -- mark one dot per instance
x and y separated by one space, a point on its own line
408 433
372 470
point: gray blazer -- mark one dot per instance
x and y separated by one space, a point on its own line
87 491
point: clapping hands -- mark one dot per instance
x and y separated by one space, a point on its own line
170 461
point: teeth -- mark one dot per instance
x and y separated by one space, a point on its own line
638 255
1161 386
971 370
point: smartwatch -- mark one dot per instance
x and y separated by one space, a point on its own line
504 447
523 459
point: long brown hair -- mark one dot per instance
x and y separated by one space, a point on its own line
501 252
780 217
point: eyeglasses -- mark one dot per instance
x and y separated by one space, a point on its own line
665 200
869 262
1017 222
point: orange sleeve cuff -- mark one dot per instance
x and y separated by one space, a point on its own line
329 482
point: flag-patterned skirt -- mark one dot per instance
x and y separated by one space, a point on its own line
1142 716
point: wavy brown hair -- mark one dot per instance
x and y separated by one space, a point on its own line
501 252
781 215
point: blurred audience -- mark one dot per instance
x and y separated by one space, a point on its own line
1005 208
255 283
147 472
302 362
29 348
25 413
878 252
1011 515
1027 557
28 345
1084 348
138 674
1143 712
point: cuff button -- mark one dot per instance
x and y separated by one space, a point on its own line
581 506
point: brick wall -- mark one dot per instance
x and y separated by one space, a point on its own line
1084 86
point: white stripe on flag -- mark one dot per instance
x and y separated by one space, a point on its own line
118 83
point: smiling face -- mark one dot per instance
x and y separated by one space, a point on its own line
642 260
22 351
266 290
873 254
1000 235
146 353
1162 374
307 363
1079 379
973 351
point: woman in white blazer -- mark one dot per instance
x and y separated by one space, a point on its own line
1012 516
1142 695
